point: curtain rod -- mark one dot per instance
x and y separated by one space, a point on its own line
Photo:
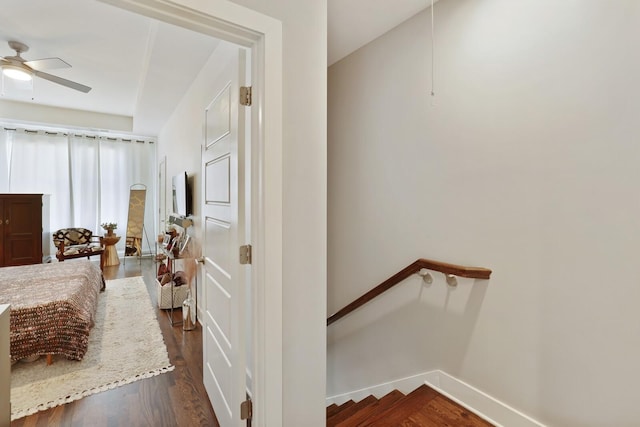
36 130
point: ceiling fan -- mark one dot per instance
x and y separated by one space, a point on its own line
18 68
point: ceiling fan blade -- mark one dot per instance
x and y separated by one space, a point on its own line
47 64
61 81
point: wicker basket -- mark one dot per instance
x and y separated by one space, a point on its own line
164 295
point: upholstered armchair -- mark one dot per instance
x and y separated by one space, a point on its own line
77 243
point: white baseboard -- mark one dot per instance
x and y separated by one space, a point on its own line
199 315
476 401
405 385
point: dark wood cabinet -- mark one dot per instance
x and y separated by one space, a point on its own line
21 229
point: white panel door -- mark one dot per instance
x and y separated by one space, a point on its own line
223 225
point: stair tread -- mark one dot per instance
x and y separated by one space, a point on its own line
398 410
381 405
423 407
332 409
338 408
442 411
349 411
428 408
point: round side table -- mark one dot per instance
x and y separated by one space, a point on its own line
110 253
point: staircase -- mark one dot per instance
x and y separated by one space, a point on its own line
422 407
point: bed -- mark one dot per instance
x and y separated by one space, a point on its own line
53 307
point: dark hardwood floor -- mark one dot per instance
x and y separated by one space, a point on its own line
176 398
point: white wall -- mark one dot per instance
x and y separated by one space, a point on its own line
24 112
304 26
528 165
181 138
304 201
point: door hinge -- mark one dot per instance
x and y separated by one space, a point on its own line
246 410
245 95
245 254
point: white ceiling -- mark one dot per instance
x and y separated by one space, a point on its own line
139 67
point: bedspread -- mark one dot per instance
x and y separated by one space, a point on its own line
53 307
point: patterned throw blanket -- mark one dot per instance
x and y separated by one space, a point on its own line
53 307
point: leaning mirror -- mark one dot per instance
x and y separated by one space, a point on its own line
135 221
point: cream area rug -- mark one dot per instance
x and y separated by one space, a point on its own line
125 345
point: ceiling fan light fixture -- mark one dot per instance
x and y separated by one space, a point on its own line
16 73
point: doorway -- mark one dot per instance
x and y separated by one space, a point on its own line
228 21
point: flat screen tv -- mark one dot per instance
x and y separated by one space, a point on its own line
181 194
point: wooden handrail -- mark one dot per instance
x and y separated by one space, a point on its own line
443 267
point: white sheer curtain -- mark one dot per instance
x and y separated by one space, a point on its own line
87 176
39 163
84 158
123 163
